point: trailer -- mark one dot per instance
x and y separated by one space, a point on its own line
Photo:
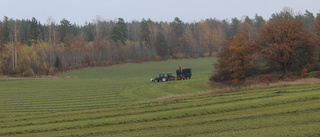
183 74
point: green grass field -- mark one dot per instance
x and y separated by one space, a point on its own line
104 102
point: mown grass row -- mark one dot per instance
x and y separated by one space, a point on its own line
157 107
100 115
254 112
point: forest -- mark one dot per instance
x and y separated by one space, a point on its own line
287 41
286 48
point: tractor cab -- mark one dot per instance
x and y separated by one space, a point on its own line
161 75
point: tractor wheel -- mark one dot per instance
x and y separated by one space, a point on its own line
164 79
156 80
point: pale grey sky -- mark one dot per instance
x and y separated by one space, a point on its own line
79 11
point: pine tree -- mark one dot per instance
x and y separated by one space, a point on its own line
161 45
5 30
119 32
65 29
235 25
145 32
58 63
33 32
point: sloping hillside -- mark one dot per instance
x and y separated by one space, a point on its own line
108 106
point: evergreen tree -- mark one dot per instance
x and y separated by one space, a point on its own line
1 45
4 38
1 38
145 32
177 27
248 20
57 63
235 25
88 29
65 28
5 30
286 13
308 19
259 22
227 28
116 34
119 32
33 32
161 45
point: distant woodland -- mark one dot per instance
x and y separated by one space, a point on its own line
285 42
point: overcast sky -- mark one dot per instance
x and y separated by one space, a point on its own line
79 11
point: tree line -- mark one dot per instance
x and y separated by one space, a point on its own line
29 47
288 43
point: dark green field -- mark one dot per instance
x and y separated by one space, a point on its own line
105 102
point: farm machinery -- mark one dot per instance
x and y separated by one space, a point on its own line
162 77
182 74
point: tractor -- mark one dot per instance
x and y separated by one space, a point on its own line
182 74
162 77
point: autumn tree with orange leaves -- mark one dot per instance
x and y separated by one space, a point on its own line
316 28
287 43
234 59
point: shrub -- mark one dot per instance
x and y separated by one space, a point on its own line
87 59
304 73
57 63
51 71
141 59
265 78
287 79
28 73
250 82
179 56
93 64
317 75
17 70
312 74
157 58
274 80
221 76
